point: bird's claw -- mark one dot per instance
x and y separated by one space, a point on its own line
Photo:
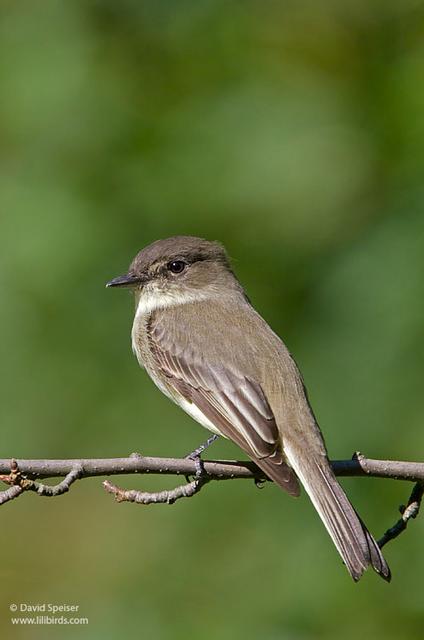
195 456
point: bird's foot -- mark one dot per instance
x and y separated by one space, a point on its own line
200 449
195 455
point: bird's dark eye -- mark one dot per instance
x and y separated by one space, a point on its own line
176 266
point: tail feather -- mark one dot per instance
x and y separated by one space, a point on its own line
378 562
352 539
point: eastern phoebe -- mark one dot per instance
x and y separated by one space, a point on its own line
204 345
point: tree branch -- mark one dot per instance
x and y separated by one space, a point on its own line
21 475
359 465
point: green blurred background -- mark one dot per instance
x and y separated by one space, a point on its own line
294 133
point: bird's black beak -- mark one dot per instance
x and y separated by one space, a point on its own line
127 280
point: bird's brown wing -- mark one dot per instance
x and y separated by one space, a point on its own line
234 403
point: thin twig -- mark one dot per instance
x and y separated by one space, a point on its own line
167 496
59 488
13 478
410 511
9 494
19 483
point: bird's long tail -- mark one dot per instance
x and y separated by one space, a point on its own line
354 542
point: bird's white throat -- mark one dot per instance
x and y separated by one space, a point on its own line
152 299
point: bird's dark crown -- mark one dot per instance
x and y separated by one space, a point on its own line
188 248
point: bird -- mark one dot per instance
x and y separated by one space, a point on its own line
204 345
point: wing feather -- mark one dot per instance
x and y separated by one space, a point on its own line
235 404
